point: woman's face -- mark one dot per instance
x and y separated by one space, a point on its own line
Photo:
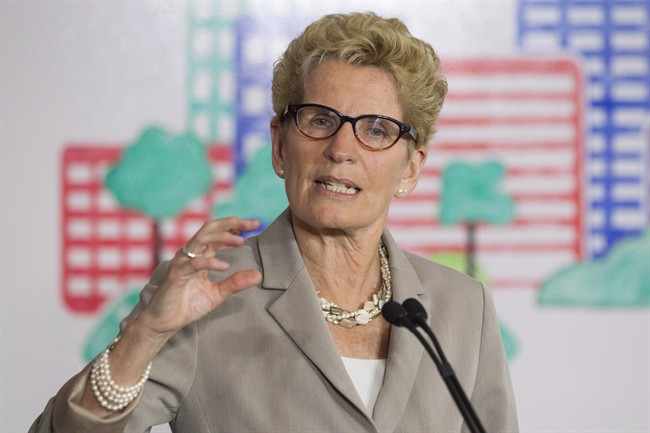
335 183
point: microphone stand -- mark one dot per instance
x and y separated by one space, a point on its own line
397 315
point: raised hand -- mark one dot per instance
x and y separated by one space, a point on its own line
186 293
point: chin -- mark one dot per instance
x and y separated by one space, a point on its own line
333 219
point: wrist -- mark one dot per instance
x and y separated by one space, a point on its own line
146 334
107 392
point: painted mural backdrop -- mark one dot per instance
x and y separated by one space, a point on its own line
536 181
558 189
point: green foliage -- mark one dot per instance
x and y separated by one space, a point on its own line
470 193
622 279
258 193
458 261
159 174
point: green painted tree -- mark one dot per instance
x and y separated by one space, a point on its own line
619 280
159 175
470 195
259 192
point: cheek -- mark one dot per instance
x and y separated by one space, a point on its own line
390 172
294 167
296 177
294 153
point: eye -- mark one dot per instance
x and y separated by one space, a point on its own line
374 128
322 121
315 119
376 132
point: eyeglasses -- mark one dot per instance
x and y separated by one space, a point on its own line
374 131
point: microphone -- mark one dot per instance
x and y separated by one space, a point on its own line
415 312
415 309
396 315
418 314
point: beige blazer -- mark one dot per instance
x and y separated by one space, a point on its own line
265 361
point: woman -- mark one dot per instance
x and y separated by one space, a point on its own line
282 332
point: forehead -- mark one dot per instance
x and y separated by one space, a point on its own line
353 90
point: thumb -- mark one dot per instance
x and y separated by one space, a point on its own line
237 282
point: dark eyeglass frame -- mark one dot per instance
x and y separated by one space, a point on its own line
403 127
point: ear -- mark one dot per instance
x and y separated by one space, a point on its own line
411 173
277 143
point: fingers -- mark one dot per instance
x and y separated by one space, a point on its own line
215 234
199 253
187 293
238 281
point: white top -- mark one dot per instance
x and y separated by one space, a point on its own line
367 376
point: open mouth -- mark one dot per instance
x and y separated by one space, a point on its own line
338 187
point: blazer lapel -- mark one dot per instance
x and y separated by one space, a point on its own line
405 351
297 311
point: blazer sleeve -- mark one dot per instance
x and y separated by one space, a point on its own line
492 396
163 393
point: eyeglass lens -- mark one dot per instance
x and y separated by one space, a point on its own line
374 131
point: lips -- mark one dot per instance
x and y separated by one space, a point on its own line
338 186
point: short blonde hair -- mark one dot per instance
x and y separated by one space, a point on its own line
365 39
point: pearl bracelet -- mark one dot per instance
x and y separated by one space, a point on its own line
110 395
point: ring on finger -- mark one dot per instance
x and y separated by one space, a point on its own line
186 253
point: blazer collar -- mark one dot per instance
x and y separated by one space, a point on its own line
404 350
297 310
298 313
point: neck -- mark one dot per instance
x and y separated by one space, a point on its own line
344 269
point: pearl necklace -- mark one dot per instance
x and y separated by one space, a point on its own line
371 309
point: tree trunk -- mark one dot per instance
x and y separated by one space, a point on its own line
470 266
156 244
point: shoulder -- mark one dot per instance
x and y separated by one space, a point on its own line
428 270
444 288
246 256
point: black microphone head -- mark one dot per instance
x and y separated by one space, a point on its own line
415 309
394 313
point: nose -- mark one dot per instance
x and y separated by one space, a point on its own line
343 145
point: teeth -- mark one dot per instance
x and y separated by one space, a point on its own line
340 188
